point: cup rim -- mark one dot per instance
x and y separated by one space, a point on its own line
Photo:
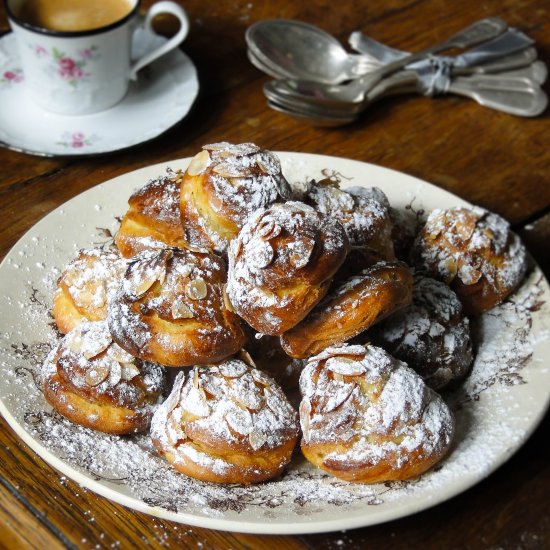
68 34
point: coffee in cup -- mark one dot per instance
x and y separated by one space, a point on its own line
73 15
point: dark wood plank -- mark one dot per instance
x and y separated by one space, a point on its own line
20 528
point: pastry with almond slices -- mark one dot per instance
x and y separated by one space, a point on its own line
223 185
282 263
475 252
171 308
93 382
366 417
228 423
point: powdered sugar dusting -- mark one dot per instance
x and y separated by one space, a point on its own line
363 217
92 278
431 335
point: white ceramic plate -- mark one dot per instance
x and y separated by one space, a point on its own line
161 97
497 408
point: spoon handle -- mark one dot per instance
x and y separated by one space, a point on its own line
528 101
480 31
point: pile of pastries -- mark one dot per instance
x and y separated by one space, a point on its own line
237 315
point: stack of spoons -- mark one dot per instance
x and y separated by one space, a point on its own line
318 80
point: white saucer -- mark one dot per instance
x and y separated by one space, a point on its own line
161 97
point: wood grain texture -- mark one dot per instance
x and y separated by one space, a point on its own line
489 158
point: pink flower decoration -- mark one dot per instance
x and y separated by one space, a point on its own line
78 139
69 69
13 77
40 50
86 54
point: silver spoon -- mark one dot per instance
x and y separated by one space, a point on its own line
513 95
293 49
495 99
528 77
355 91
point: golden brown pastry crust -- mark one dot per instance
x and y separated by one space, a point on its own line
431 335
171 309
223 185
475 252
91 381
153 219
85 287
228 423
351 308
282 263
366 417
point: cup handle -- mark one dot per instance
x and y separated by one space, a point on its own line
162 7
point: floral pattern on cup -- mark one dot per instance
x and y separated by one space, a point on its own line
77 140
11 76
72 69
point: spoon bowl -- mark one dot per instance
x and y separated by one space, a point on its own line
293 49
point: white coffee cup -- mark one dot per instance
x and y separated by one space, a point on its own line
85 71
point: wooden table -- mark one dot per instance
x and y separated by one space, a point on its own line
489 158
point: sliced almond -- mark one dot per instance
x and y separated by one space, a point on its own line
256 439
269 229
197 289
96 375
236 247
116 353
240 421
305 414
73 340
226 301
246 394
233 369
246 358
196 378
273 402
145 272
230 170
143 286
337 377
221 146
195 248
301 252
345 366
96 338
180 310
199 163
466 227
451 269
115 373
260 253
128 371
467 273
338 398
195 403
213 385
173 399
